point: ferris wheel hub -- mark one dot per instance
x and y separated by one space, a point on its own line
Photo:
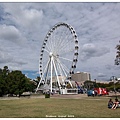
51 54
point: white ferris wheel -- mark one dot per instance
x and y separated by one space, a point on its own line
58 57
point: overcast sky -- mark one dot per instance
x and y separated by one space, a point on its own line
23 27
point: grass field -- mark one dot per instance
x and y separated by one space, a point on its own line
89 107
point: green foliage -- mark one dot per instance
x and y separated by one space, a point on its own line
102 85
3 80
14 82
110 86
89 84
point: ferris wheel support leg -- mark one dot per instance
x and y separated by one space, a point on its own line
51 75
64 68
70 83
65 74
57 75
38 85
42 76
46 70
61 68
61 73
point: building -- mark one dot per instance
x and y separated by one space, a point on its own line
61 78
81 77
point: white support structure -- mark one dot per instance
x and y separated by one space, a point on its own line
47 65
57 75
51 73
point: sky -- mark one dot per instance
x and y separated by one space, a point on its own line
23 27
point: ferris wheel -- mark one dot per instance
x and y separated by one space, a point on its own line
58 57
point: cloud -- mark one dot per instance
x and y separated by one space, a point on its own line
101 75
9 60
23 27
4 57
11 34
31 18
91 50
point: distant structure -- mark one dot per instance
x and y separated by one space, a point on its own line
81 77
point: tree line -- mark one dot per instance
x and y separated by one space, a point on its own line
110 86
14 82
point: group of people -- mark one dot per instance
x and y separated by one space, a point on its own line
113 105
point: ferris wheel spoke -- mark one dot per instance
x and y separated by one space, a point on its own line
59 44
62 72
66 59
63 42
66 52
49 46
67 36
64 69
66 45
47 51
55 44
60 69
63 66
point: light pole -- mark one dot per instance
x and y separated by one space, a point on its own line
113 78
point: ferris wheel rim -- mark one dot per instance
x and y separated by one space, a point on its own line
75 40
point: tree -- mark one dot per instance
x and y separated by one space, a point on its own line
3 80
89 84
19 83
2 86
117 60
15 82
37 80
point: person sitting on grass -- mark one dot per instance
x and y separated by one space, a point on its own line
115 105
110 103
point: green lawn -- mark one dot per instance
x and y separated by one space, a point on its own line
88 107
